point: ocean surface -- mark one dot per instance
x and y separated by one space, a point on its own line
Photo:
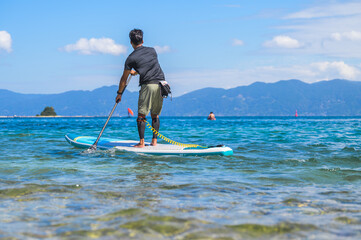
288 179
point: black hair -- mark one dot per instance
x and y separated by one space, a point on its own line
136 36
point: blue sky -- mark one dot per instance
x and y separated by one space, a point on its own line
56 46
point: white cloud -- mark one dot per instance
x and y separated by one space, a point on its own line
96 45
161 49
186 81
5 41
237 42
352 35
323 29
328 10
337 69
283 42
326 36
310 73
183 82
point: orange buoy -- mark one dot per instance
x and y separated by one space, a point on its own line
130 112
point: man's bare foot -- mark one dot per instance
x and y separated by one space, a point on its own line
154 142
140 144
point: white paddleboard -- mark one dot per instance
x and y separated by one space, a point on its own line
160 149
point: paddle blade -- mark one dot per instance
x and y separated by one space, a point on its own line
90 150
93 148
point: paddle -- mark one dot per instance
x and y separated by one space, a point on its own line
94 146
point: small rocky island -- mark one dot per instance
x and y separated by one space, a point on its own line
48 111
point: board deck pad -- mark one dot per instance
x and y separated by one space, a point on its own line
160 149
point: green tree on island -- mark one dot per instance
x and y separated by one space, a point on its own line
48 111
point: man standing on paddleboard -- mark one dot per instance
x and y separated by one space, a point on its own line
144 61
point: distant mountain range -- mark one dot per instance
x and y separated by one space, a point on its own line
327 98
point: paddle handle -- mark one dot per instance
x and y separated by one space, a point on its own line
94 146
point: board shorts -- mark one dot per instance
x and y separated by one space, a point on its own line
150 99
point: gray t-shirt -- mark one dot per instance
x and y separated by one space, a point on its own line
144 60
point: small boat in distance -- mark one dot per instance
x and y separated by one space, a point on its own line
296 114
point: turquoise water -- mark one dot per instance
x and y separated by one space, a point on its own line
288 178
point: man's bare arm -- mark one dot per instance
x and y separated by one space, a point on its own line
122 83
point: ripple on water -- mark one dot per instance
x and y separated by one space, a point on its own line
287 179
35 189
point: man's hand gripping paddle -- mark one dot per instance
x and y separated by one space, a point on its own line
94 146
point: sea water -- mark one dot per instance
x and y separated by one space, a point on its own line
288 178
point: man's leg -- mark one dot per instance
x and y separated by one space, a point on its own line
143 110
141 129
157 105
155 125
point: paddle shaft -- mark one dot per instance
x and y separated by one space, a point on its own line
101 132
94 146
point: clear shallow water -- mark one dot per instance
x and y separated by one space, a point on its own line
288 178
